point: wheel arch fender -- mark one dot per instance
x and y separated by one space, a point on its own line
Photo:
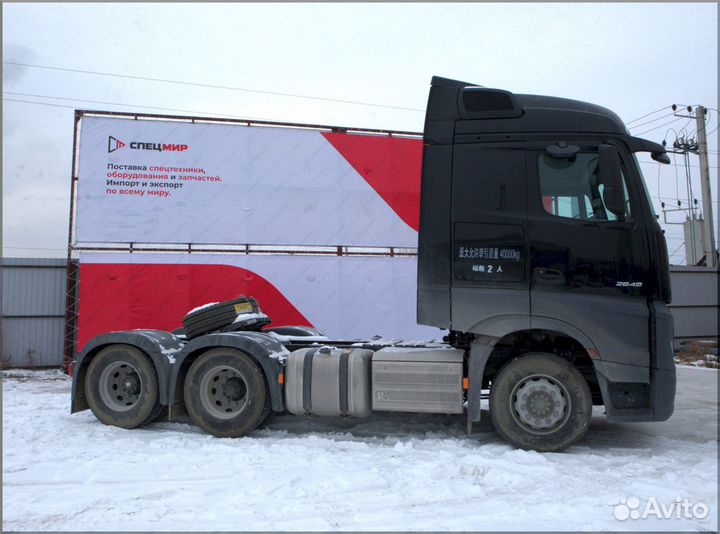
549 323
491 330
157 345
264 350
499 326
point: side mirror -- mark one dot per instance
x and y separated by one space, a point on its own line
611 178
661 157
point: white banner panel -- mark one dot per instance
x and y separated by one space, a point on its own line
346 297
147 181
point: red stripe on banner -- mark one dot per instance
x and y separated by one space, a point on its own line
548 204
390 165
157 296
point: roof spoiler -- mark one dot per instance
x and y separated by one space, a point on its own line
439 81
478 102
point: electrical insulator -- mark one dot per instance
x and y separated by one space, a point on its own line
674 107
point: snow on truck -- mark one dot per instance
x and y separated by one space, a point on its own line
538 251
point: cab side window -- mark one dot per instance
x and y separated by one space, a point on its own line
571 188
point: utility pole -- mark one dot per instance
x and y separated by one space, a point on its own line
708 220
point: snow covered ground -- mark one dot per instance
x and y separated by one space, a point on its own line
388 472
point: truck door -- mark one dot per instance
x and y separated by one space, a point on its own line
490 285
588 265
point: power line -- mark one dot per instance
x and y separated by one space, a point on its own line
38 103
664 108
661 126
681 244
672 199
127 105
673 164
647 115
211 86
650 121
681 130
677 178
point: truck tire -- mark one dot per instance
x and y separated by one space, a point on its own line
266 415
121 387
214 317
225 393
155 416
541 402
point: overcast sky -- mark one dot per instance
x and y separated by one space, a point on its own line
632 58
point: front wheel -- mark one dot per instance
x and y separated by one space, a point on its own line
541 402
225 393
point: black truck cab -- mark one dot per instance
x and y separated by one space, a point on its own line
538 251
537 233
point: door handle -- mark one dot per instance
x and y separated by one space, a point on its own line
543 275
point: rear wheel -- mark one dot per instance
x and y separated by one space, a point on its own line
122 388
225 393
541 402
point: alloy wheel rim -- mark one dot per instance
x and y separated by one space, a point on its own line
540 404
120 386
223 392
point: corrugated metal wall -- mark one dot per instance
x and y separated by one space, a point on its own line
695 301
33 308
33 311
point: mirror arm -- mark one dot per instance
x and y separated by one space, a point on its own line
611 178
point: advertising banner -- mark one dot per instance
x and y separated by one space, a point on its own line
151 181
350 297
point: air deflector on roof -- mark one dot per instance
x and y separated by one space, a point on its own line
483 103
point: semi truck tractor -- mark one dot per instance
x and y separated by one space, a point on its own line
538 251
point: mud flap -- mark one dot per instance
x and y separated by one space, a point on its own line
479 353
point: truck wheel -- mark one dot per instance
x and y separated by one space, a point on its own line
122 388
225 393
541 402
267 411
